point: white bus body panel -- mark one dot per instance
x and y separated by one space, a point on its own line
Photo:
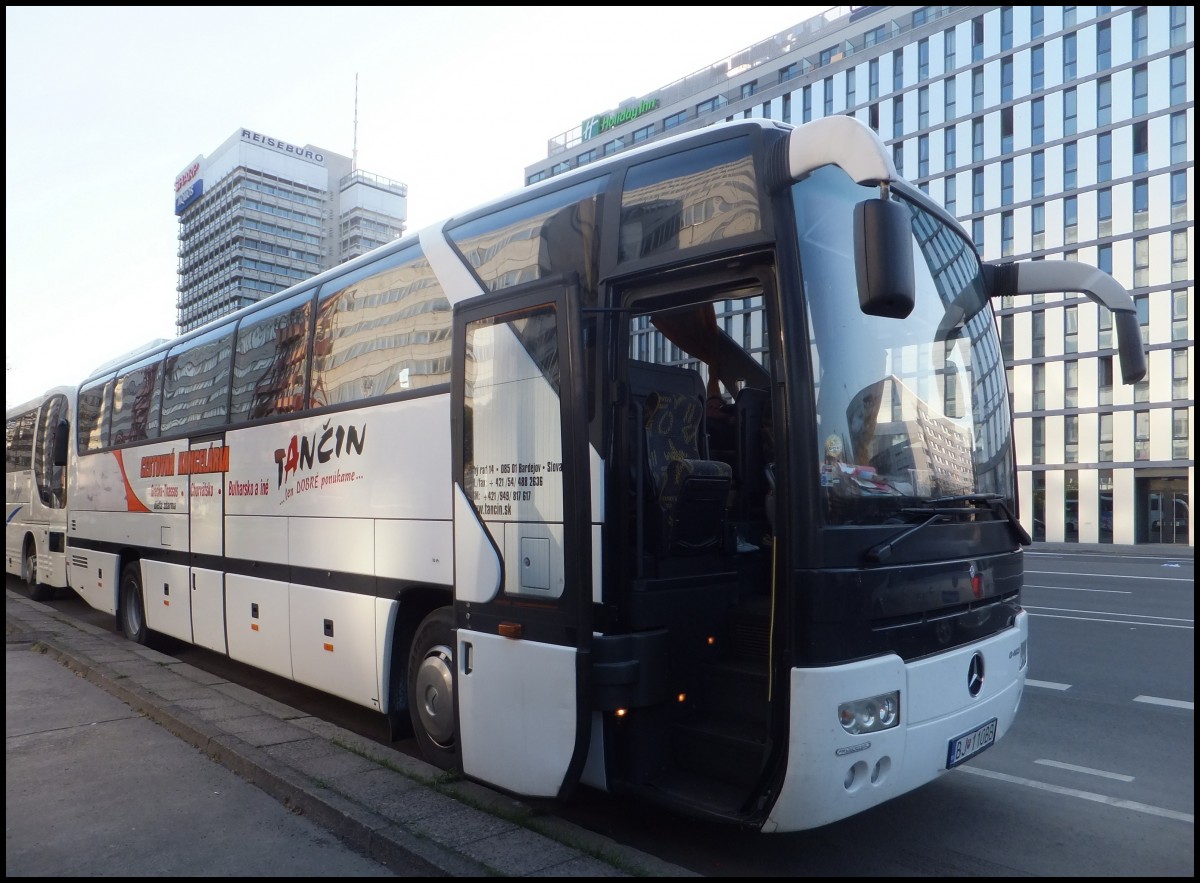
51 566
135 529
206 512
520 732
392 462
95 579
257 538
208 609
415 551
333 643
167 598
94 575
832 775
386 611
260 640
14 539
342 544
476 566
18 492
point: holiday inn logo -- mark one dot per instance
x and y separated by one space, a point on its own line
600 123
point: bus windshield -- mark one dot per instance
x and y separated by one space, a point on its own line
910 410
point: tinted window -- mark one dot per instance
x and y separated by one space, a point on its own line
689 199
18 441
552 234
51 479
136 398
383 329
90 434
196 394
270 361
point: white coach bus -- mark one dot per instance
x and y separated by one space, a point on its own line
35 491
687 474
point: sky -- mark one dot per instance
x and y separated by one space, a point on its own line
106 105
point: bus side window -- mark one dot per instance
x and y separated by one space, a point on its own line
380 330
136 398
91 429
270 361
196 388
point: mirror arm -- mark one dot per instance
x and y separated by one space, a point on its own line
1048 277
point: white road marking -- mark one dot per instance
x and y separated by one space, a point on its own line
1138 616
1149 700
1083 795
1077 589
1084 769
1169 579
1183 558
1133 622
1173 703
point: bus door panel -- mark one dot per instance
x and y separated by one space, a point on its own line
333 627
522 539
333 642
95 577
260 623
208 465
208 609
166 598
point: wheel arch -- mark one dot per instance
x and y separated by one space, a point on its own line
415 602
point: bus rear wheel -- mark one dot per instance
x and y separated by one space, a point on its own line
132 615
37 591
431 689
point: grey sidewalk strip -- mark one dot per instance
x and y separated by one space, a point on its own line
393 807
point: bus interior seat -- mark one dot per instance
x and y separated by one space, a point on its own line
691 491
648 377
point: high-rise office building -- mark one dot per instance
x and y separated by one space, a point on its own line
1057 132
258 215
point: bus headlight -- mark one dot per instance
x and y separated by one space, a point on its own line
870 715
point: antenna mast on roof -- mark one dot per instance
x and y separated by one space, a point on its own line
354 159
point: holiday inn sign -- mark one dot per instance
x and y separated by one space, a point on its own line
600 123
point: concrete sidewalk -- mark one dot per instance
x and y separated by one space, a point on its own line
378 803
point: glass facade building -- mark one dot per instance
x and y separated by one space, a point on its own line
1050 132
260 214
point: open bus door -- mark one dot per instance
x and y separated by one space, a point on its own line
522 546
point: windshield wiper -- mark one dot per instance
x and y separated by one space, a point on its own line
881 552
995 502
940 509
963 498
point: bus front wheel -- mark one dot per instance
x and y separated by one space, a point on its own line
431 689
133 609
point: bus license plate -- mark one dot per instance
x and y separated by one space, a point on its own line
969 744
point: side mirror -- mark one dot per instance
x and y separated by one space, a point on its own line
883 258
